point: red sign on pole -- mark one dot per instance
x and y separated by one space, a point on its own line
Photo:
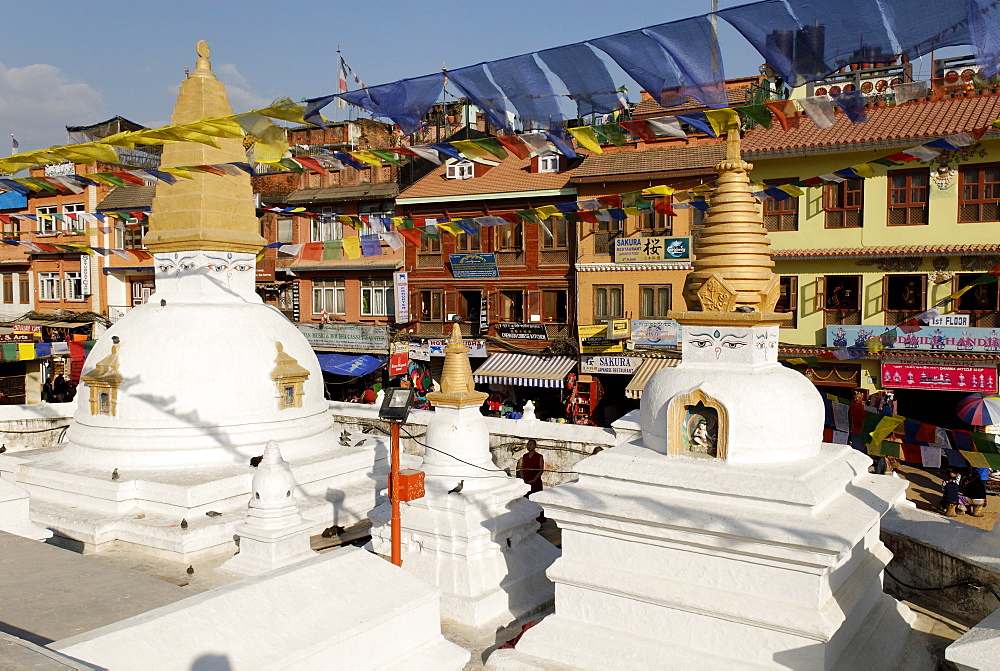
941 378
399 358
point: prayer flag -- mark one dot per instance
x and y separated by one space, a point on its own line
785 112
698 121
312 251
723 120
853 104
587 138
639 128
352 247
410 234
26 351
663 206
611 132
371 245
922 153
819 109
514 145
492 146
667 125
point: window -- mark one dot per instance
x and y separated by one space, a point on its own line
843 204
979 302
511 306
376 297
461 170
382 210
74 222
326 226
48 286
652 224
554 306
780 215
285 230
548 163
432 305
788 299
654 301
329 297
469 242
908 197
607 302
510 237
74 285
980 193
130 235
8 288
605 233
24 286
557 240
430 245
47 223
903 297
842 299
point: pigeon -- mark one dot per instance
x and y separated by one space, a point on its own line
255 461
114 474
360 442
184 524
457 489
335 530
212 513
163 302
744 308
3 448
190 570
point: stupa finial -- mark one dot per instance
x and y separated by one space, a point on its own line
732 279
457 386
207 212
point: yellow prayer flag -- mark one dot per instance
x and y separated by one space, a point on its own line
25 351
260 254
546 211
874 345
791 190
367 157
723 120
635 211
662 190
976 459
885 426
183 173
864 170
470 149
189 133
587 138
682 196
220 127
450 227
286 110
24 182
352 247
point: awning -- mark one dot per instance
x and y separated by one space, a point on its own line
352 365
52 323
644 372
524 370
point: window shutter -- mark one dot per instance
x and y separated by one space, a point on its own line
819 298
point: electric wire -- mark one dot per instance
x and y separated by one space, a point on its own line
965 583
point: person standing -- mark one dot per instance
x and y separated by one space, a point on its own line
530 466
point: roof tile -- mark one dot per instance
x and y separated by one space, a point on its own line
512 175
684 157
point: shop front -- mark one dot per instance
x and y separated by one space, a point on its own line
353 358
513 379
931 392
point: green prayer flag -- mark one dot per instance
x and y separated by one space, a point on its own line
492 146
632 199
886 448
985 442
114 179
9 351
386 155
406 223
88 345
333 250
886 162
528 215
868 425
611 132
756 113
983 279
290 165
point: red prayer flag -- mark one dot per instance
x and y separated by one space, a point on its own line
663 206
857 415
902 156
312 251
812 181
610 201
129 177
76 351
411 234
514 145
510 216
212 169
911 454
784 111
310 163
589 217
52 249
927 433
405 151
141 255
995 270
639 128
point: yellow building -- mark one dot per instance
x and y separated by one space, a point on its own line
858 257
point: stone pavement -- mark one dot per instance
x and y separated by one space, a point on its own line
924 489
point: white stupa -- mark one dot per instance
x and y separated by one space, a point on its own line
729 536
181 392
473 534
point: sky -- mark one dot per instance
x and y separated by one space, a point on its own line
81 63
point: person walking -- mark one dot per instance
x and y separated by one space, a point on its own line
530 466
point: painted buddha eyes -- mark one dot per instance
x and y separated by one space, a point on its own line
242 267
216 267
700 343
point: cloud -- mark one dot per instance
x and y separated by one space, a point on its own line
241 93
38 101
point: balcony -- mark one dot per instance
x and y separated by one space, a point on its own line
116 312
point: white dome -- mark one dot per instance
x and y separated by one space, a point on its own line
196 389
774 414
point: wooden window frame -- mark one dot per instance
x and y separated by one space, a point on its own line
981 200
843 192
554 318
559 240
426 298
653 224
510 238
656 289
838 314
906 198
793 300
781 210
505 315
608 288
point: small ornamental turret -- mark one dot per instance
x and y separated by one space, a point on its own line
458 389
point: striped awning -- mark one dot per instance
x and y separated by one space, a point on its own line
524 370
644 372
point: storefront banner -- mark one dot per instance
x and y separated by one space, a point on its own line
618 329
402 287
85 274
399 358
655 333
347 337
617 365
16 337
950 320
473 266
420 351
940 378
594 340
26 328
476 347
648 250
940 339
522 331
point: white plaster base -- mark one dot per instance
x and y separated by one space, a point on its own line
480 547
979 648
681 563
262 550
143 508
345 609
15 516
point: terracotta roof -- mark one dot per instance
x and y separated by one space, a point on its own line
915 122
510 176
899 250
125 197
683 157
649 107
340 193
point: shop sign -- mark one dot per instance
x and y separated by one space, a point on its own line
16 337
476 347
940 378
616 365
399 358
655 332
522 331
594 340
647 250
420 351
26 328
401 285
949 320
618 329
484 313
85 274
473 266
347 337
265 270
931 338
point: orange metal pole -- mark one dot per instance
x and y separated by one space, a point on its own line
396 531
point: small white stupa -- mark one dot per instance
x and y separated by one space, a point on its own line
15 515
729 536
179 395
273 534
474 534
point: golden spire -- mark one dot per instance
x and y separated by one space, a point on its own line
732 268
206 212
457 386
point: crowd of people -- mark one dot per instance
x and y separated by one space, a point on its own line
964 492
57 389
